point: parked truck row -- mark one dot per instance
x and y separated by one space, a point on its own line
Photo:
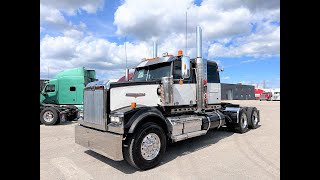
168 99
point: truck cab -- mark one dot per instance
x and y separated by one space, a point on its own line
64 94
184 88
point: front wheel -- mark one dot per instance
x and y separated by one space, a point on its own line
49 116
146 147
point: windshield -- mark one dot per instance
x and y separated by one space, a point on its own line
42 84
153 72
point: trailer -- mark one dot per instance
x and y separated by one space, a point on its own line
61 98
169 99
275 94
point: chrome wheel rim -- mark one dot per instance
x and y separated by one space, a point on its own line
254 117
244 120
150 146
48 116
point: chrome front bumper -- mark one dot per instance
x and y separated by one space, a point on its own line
104 143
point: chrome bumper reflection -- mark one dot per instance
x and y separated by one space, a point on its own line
105 143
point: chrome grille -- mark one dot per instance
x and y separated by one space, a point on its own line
94 108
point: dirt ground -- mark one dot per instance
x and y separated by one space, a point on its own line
218 155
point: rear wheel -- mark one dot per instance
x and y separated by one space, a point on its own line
49 116
253 117
242 125
146 147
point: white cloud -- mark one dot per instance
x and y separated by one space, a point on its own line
219 18
225 78
74 49
264 43
249 61
50 15
51 12
253 5
158 20
73 33
222 21
73 6
58 48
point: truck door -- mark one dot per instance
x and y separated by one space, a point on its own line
50 94
185 93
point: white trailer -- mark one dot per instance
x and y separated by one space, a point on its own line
169 99
275 94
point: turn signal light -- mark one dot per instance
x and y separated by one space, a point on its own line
133 105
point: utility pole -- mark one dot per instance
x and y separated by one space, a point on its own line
125 50
186 33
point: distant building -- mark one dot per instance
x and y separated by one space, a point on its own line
237 92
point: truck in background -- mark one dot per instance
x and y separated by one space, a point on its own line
266 96
62 97
169 99
275 94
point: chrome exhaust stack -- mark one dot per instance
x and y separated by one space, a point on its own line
155 49
200 71
127 74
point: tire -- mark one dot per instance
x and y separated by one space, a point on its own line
242 126
253 117
134 153
45 116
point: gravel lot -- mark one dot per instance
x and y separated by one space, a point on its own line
218 155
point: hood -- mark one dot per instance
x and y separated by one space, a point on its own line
108 84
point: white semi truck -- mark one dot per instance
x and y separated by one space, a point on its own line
169 99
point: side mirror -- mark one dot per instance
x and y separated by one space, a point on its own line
185 67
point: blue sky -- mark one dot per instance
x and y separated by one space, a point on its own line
242 36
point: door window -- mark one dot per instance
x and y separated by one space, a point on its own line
50 88
213 73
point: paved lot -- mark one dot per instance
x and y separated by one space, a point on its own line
217 155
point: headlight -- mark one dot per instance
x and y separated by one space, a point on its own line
115 119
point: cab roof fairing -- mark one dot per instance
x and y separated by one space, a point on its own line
163 60
156 61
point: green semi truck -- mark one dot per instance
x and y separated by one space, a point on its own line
61 98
